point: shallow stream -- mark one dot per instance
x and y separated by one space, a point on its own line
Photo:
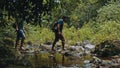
48 60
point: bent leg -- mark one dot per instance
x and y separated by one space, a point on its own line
22 44
55 41
54 45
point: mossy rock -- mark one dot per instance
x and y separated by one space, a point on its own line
108 48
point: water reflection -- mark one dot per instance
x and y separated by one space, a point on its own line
36 61
21 61
63 58
62 61
57 60
44 60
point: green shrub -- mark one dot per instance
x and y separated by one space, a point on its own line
107 31
38 34
95 32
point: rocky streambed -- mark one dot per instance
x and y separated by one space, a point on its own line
81 55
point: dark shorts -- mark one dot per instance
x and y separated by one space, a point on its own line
59 37
20 34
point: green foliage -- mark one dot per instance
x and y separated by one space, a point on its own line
96 33
93 20
29 10
79 11
38 34
70 35
110 12
86 32
107 31
4 19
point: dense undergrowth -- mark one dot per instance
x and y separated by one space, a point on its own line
94 32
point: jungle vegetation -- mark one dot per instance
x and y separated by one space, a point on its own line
93 20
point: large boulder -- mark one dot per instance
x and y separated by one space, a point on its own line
107 48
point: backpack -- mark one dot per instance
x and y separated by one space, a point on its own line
54 27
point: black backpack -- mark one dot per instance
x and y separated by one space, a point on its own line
54 27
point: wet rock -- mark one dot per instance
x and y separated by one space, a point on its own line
100 63
77 51
48 43
45 47
76 48
72 48
78 43
107 48
32 48
86 61
106 63
96 60
81 54
68 54
86 42
88 64
89 46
